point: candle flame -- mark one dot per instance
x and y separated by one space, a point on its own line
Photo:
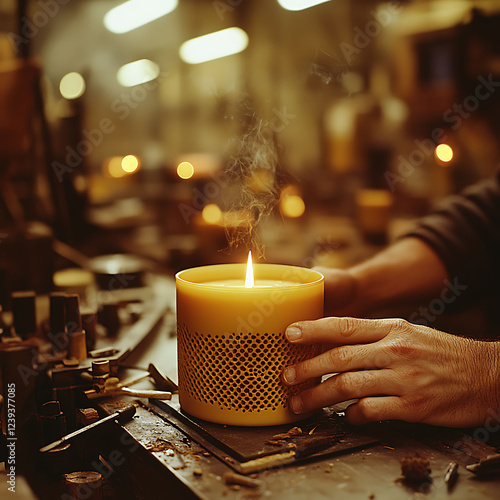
249 281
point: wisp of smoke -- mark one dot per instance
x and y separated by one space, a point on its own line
260 179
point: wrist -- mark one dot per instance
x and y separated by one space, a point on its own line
372 290
405 272
494 372
484 379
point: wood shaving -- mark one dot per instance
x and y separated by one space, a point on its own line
240 480
312 430
282 435
415 469
273 442
294 431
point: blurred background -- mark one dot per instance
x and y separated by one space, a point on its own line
187 132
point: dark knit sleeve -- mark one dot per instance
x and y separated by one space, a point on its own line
465 232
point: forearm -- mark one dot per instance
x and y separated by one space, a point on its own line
406 271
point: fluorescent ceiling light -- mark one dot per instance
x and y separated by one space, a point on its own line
130 15
214 45
300 4
138 72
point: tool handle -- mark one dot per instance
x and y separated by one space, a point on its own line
144 393
122 416
125 414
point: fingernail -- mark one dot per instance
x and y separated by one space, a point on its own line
296 404
293 333
289 375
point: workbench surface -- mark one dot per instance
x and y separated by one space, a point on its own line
165 457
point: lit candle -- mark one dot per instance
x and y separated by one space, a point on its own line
231 343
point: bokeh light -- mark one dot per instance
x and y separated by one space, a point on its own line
115 167
291 203
212 214
185 170
130 164
444 152
72 85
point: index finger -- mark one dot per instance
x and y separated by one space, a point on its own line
340 331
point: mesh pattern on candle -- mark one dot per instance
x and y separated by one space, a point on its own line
239 371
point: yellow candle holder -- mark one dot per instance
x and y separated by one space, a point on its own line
231 343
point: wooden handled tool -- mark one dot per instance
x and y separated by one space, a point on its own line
122 415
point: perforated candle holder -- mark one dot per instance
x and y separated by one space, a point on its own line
231 344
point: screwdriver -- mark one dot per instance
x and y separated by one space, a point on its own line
122 415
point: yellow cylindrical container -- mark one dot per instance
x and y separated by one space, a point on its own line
231 343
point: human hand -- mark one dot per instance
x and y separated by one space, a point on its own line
398 371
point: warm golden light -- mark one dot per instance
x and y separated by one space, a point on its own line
249 281
135 13
292 206
214 46
130 163
212 214
138 72
115 167
444 153
295 5
72 85
185 170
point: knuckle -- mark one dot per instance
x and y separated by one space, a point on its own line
367 379
307 369
344 386
330 359
414 373
401 348
366 410
399 326
381 359
302 370
337 357
347 326
342 355
309 397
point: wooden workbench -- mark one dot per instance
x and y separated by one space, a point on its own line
164 462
